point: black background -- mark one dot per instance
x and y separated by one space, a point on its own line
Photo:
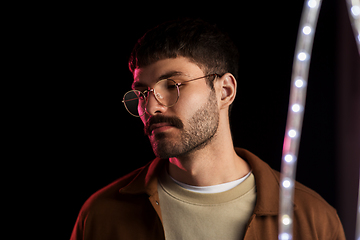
96 141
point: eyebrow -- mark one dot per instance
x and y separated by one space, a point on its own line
167 75
172 74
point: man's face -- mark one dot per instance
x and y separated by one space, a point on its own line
188 125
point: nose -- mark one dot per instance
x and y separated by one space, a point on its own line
153 106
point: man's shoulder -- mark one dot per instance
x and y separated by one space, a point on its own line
311 210
108 195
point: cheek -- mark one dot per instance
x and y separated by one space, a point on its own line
189 103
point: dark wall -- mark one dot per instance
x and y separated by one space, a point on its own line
97 141
348 123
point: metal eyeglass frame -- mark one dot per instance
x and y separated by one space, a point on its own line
146 92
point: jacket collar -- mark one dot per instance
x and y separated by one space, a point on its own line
146 180
267 182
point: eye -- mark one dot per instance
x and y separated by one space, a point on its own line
171 84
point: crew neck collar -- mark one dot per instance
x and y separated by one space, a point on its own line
218 188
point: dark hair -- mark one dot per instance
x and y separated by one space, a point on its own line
204 44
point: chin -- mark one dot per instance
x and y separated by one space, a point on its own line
164 147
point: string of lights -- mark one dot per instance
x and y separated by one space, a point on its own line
295 115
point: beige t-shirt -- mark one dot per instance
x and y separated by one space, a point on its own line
191 215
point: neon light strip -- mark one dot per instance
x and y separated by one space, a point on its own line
354 14
299 80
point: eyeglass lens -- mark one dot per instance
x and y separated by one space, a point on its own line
165 91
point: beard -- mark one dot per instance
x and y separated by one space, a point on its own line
195 135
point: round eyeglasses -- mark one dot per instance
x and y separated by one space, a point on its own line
166 92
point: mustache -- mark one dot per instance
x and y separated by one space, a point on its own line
173 121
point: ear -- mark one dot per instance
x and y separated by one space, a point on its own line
227 86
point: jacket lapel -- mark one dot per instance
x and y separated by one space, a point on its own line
267 184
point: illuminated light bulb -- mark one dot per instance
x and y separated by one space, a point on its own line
284 236
292 133
296 107
299 83
286 220
289 158
355 10
302 56
306 30
312 3
286 183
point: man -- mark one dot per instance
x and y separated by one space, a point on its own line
199 186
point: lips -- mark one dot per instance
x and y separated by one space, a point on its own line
159 126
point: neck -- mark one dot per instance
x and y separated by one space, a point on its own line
216 163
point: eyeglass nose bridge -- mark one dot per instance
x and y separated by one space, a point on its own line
157 96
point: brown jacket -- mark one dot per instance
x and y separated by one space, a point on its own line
129 208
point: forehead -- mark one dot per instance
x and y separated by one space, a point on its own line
179 67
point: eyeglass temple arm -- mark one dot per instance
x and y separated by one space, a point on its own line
210 75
